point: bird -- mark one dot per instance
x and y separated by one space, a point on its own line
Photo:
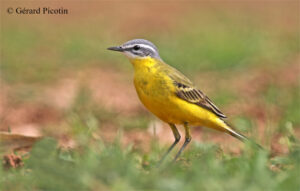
170 95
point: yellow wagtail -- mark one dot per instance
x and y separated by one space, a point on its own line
170 95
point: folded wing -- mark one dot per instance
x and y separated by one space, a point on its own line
184 89
195 96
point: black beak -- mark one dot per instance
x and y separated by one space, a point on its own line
116 48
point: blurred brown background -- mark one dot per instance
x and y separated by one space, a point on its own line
58 79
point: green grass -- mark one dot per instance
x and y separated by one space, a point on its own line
226 44
35 56
292 111
97 165
100 166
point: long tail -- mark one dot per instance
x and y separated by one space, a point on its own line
239 136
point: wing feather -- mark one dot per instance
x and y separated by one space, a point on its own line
186 90
195 96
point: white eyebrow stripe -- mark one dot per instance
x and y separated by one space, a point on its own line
142 45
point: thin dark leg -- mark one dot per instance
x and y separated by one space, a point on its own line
188 139
177 138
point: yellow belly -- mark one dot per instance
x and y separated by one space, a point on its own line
174 110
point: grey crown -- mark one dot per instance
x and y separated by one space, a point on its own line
143 51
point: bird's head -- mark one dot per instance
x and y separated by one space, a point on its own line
137 48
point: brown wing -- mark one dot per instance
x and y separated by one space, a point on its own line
195 96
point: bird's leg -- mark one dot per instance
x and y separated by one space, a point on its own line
188 139
177 138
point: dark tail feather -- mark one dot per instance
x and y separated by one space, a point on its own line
241 137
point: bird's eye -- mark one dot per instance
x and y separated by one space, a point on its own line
136 47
